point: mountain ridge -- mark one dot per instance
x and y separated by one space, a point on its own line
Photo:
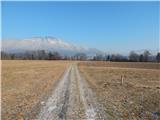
47 43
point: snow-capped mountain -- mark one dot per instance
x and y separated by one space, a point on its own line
45 43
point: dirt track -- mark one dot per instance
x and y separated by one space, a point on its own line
72 99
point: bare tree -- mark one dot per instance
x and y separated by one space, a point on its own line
116 57
113 57
56 56
108 58
141 58
133 57
158 57
146 55
98 57
5 55
80 56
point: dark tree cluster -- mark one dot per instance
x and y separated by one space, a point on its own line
41 55
79 56
112 57
146 56
31 55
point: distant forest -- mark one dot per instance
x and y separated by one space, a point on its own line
146 56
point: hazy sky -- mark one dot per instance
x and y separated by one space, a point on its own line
108 26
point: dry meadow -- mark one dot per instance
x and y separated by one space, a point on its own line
25 84
126 90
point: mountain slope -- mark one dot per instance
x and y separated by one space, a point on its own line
45 43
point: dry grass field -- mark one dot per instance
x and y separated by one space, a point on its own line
25 84
126 90
143 65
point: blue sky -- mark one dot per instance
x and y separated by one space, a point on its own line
108 26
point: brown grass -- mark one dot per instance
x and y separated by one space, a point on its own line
143 65
25 83
137 98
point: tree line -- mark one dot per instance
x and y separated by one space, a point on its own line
146 56
31 55
41 55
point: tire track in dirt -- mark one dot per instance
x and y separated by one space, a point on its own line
72 99
93 110
53 108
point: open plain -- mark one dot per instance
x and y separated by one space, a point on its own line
126 90
25 83
70 90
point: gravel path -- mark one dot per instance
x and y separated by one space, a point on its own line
72 99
